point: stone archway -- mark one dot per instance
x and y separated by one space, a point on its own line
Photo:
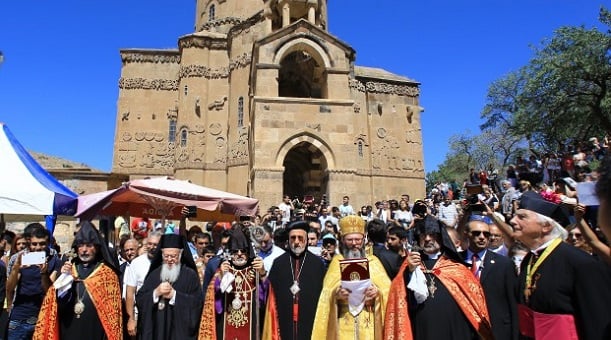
305 171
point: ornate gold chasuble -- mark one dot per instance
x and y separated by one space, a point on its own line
239 308
334 321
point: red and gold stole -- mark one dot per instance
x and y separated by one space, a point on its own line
462 285
103 287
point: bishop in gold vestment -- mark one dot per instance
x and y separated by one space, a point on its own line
334 317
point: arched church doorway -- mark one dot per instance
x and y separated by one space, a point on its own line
305 172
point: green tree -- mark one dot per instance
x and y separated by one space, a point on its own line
562 95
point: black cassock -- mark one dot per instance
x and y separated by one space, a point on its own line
571 281
88 324
180 321
439 316
310 284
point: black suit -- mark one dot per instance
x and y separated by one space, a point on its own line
390 260
499 281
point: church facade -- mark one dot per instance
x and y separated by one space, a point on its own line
262 100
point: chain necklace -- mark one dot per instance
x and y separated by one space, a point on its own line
295 287
79 306
430 282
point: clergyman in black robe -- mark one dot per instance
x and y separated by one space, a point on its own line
291 310
170 300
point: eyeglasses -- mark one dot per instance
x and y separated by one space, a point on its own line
476 233
239 251
170 256
495 235
481 218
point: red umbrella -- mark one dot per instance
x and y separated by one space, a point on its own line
164 197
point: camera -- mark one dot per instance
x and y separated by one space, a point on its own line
473 204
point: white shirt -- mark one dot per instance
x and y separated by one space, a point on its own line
269 259
136 272
286 212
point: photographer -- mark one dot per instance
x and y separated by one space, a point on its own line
286 209
329 247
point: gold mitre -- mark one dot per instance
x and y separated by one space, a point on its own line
352 224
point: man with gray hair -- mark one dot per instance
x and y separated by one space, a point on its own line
134 277
560 292
170 300
510 195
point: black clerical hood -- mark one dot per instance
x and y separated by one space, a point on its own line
303 225
533 201
88 234
176 242
240 240
431 225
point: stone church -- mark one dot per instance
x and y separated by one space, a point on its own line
262 100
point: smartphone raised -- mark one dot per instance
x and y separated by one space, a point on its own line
33 258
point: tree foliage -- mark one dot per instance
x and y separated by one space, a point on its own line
562 95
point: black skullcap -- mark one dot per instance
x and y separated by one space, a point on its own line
530 200
431 225
88 233
171 241
303 225
240 240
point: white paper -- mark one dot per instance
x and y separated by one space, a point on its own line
315 250
226 282
586 193
33 258
63 283
356 299
417 284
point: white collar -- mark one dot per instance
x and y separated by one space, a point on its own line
541 247
434 256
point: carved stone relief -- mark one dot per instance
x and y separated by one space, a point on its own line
239 149
217 104
413 136
220 155
215 129
387 155
148 84
139 57
379 87
313 126
197 143
196 71
357 108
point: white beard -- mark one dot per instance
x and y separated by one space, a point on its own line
298 250
170 274
239 262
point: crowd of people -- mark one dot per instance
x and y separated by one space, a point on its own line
525 262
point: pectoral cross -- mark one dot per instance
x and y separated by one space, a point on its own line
531 289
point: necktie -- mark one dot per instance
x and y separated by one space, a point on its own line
474 266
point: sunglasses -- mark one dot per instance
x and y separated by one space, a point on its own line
476 233
239 251
36 244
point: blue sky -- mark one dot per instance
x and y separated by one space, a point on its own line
58 83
